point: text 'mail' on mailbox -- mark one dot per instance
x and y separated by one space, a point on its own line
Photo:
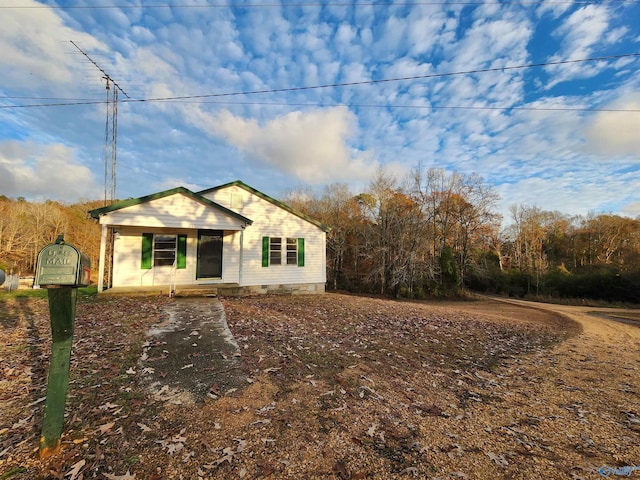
62 264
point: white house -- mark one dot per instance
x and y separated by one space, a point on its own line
231 238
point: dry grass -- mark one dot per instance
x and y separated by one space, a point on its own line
338 387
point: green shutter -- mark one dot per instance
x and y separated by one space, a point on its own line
265 251
182 252
301 252
147 251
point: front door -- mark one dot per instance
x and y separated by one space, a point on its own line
209 254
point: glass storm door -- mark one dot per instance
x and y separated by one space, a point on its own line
209 254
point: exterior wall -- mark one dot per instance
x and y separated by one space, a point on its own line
175 211
181 214
127 255
272 221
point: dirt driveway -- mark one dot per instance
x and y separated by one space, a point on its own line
583 395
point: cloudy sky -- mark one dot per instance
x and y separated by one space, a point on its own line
282 95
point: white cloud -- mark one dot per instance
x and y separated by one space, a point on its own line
555 8
583 29
632 210
311 146
39 171
617 133
35 47
552 156
580 34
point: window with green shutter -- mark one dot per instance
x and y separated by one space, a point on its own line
275 251
182 252
301 252
147 251
282 251
292 251
162 250
265 251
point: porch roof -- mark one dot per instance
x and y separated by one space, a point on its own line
98 212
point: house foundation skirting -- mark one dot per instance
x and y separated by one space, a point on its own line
230 290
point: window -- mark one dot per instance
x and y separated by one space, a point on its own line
164 250
292 251
273 251
161 250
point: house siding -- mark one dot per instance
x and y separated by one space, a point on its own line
272 221
176 211
127 254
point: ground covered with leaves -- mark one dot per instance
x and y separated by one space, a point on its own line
331 387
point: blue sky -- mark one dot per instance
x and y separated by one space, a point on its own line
564 136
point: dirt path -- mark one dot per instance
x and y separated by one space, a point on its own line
575 402
192 355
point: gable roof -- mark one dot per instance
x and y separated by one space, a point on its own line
166 193
264 196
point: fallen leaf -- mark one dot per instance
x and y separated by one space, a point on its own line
372 430
75 470
143 427
106 427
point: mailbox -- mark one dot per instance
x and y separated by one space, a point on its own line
62 265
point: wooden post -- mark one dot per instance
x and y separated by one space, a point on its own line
62 309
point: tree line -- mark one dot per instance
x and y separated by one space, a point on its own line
26 227
432 233
437 232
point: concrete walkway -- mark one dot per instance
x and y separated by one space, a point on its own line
191 355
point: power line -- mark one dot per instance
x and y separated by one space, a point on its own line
359 105
336 85
421 107
389 80
316 4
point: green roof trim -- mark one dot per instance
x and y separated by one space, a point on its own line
167 193
264 196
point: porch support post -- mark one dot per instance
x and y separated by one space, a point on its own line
241 254
103 250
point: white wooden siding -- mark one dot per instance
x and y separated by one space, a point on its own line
272 221
127 258
175 211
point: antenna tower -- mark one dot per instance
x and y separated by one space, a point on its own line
110 130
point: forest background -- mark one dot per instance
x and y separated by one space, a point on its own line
434 233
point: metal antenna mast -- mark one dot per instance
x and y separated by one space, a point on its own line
110 130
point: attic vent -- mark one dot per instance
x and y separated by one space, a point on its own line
236 200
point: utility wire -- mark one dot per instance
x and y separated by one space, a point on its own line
419 107
389 80
335 85
317 4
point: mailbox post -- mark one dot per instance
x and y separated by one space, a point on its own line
61 268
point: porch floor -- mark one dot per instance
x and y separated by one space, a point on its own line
202 290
